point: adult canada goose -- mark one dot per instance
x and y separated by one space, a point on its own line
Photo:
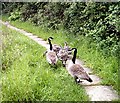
63 56
75 70
50 54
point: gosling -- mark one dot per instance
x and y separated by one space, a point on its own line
67 48
63 56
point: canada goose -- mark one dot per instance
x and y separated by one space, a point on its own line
75 70
63 56
67 48
50 54
56 48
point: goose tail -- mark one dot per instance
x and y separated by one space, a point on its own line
90 80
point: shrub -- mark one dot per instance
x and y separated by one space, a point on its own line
98 21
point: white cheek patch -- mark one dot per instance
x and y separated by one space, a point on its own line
78 80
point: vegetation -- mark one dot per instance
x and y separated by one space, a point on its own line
27 76
93 28
98 21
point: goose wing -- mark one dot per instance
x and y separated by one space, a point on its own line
77 69
56 48
51 57
62 55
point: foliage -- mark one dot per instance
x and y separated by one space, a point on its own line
10 7
49 15
98 21
14 15
28 11
73 18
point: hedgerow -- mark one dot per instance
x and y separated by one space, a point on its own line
98 21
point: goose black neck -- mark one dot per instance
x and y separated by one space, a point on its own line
50 43
74 56
65 43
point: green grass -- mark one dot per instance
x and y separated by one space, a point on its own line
27 76
104 66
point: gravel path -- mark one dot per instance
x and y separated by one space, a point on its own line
95 90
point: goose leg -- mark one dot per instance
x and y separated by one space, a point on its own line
63 63
77 80
44 53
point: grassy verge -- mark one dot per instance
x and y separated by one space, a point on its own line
27 76
104 66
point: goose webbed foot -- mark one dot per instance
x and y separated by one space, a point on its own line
63 65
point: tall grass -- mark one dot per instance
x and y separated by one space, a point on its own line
27 76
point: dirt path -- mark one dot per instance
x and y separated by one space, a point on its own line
95 90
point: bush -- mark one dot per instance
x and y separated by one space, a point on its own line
98 21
